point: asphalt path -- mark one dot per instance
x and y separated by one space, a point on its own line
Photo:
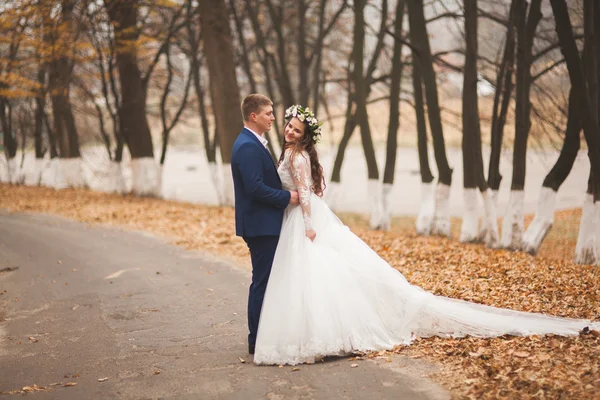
125 315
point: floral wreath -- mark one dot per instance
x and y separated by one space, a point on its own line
305 115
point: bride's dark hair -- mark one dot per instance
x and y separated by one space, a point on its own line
306 143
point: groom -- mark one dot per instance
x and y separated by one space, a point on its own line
259 200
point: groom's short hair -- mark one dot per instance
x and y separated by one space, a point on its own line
253 103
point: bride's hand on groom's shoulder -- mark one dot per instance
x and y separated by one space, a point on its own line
311 234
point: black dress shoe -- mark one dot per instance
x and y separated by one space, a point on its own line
251 348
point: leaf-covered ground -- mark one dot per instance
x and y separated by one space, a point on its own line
508 367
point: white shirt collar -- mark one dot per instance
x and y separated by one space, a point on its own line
262 139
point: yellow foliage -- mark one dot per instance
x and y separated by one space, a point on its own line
166 3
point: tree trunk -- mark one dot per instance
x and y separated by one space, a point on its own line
473 175
394 121
502 100
68 170
239 25
352 119
333 189
209 148
282 74
40 104
590 51
196 68
64 126
63 76
267 61
119 139
569 150
132 114
589 234
209 144
362 116
218 48
525 34
420 42
116 179
9 140
424 61
425 170
51 138
271 92
585 250
317 50
424 224
303 87
470 119
544 216
319 58
526 25
596 24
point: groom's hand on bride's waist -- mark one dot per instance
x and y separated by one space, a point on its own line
294 197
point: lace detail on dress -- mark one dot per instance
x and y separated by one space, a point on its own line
295 175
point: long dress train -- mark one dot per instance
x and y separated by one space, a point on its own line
336 295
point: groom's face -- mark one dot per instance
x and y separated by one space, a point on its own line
265 118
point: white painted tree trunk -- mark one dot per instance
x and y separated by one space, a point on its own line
597 234
13 170
53 176
374 193
3 170
72 170
332 195
38 170
542 222
441 222
161 171
586 251
45 171
512 225
213 169
493 202
227 185
145 179
386 209
115 178
490 220
427 209
469 231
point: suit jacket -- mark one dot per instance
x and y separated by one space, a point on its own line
259 199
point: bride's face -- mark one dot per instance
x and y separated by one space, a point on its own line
294 130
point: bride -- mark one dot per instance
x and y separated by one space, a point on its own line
331 294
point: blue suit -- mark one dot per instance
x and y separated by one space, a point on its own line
259 206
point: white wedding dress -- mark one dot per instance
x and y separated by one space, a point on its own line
335 295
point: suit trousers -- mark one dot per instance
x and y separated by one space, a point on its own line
262 252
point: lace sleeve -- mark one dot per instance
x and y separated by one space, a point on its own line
300 168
